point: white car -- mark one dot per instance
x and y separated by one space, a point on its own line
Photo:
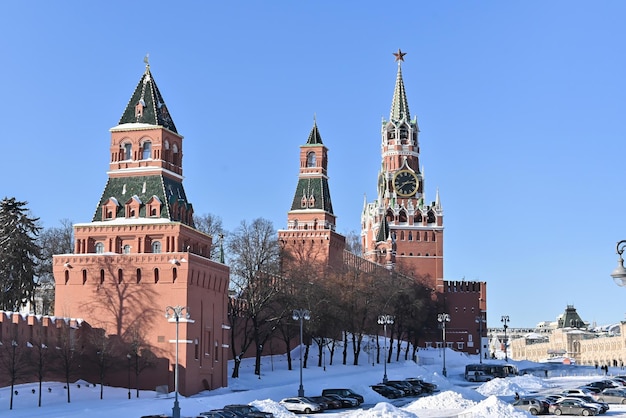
300 405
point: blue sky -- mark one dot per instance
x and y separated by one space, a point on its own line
520 107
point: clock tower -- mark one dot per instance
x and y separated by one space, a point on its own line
399 229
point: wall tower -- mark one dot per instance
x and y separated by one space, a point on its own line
141 252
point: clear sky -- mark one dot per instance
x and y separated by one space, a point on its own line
520 106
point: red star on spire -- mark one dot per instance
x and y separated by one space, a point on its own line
399 55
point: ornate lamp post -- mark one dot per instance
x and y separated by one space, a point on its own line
443 318
480 320
505 321
619 274
301 315
174 314
384 320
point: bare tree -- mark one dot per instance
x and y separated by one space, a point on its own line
56 240
211 225
254 256
103 347
41 356
14 361
67 354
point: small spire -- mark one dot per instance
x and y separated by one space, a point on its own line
146 60
399 104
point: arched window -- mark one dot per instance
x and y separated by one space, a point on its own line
156 247
402 218
156 275
101 276
99 248
120 275
126 249
410 236
311 159
138 275
84 276
128 151
147 150
174 275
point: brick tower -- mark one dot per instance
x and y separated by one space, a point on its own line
399 230
311 222
141 253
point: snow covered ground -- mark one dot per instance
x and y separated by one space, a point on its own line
457 398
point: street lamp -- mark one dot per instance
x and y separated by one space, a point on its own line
505 320
480 320
384 320
174 314
619 274
128 357
443 318
301 315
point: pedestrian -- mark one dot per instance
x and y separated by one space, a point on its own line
516 396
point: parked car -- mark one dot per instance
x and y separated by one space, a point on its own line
603 406
612 396
573 407
593 389
427 387
578 391
388 391
298 404
248 411
603 384
219 413
531 405
345 401
330 402
321 401
409 389
348 393
479 376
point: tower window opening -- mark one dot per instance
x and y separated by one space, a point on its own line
128 151
311 159
138 276
156 247
410 236
126 249
99 248
120 276
147 150
156 276
101 276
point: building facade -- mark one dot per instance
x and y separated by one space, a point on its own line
141 253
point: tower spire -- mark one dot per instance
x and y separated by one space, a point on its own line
399 104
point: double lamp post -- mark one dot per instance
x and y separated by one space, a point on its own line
444 318
176 314
301 315
384 320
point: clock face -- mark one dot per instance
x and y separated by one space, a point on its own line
405 183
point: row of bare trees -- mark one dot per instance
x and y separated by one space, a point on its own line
344 302
71 351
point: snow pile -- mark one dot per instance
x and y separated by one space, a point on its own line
493 407
385 410
443 400
274 407
523 385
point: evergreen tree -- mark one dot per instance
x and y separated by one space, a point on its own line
19 254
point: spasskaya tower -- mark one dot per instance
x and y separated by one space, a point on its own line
399 229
